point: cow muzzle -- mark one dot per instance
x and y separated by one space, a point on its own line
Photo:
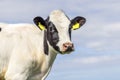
68 47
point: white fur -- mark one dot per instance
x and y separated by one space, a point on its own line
21 52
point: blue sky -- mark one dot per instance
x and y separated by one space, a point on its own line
97 55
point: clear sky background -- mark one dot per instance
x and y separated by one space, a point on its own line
97 43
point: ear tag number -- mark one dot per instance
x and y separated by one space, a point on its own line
41 26
75 26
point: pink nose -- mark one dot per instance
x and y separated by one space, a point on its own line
68 47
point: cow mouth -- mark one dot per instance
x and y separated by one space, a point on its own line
67 51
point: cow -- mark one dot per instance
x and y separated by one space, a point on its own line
27 51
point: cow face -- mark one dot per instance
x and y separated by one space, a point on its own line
58 28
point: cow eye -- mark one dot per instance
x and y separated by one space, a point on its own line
52 29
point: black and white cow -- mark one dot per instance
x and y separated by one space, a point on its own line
27 52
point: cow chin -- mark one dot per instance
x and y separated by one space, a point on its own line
66 52
63 51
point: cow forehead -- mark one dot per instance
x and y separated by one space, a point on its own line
59 19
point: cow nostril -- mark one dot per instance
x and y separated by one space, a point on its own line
69 48
64 45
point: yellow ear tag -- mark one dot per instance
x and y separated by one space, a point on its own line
76 26
41 26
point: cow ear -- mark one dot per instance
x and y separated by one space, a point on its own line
40 22
77 22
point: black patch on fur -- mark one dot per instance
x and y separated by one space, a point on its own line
46 48
52 35
0 29
70 33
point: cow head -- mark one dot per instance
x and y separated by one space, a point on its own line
58 28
